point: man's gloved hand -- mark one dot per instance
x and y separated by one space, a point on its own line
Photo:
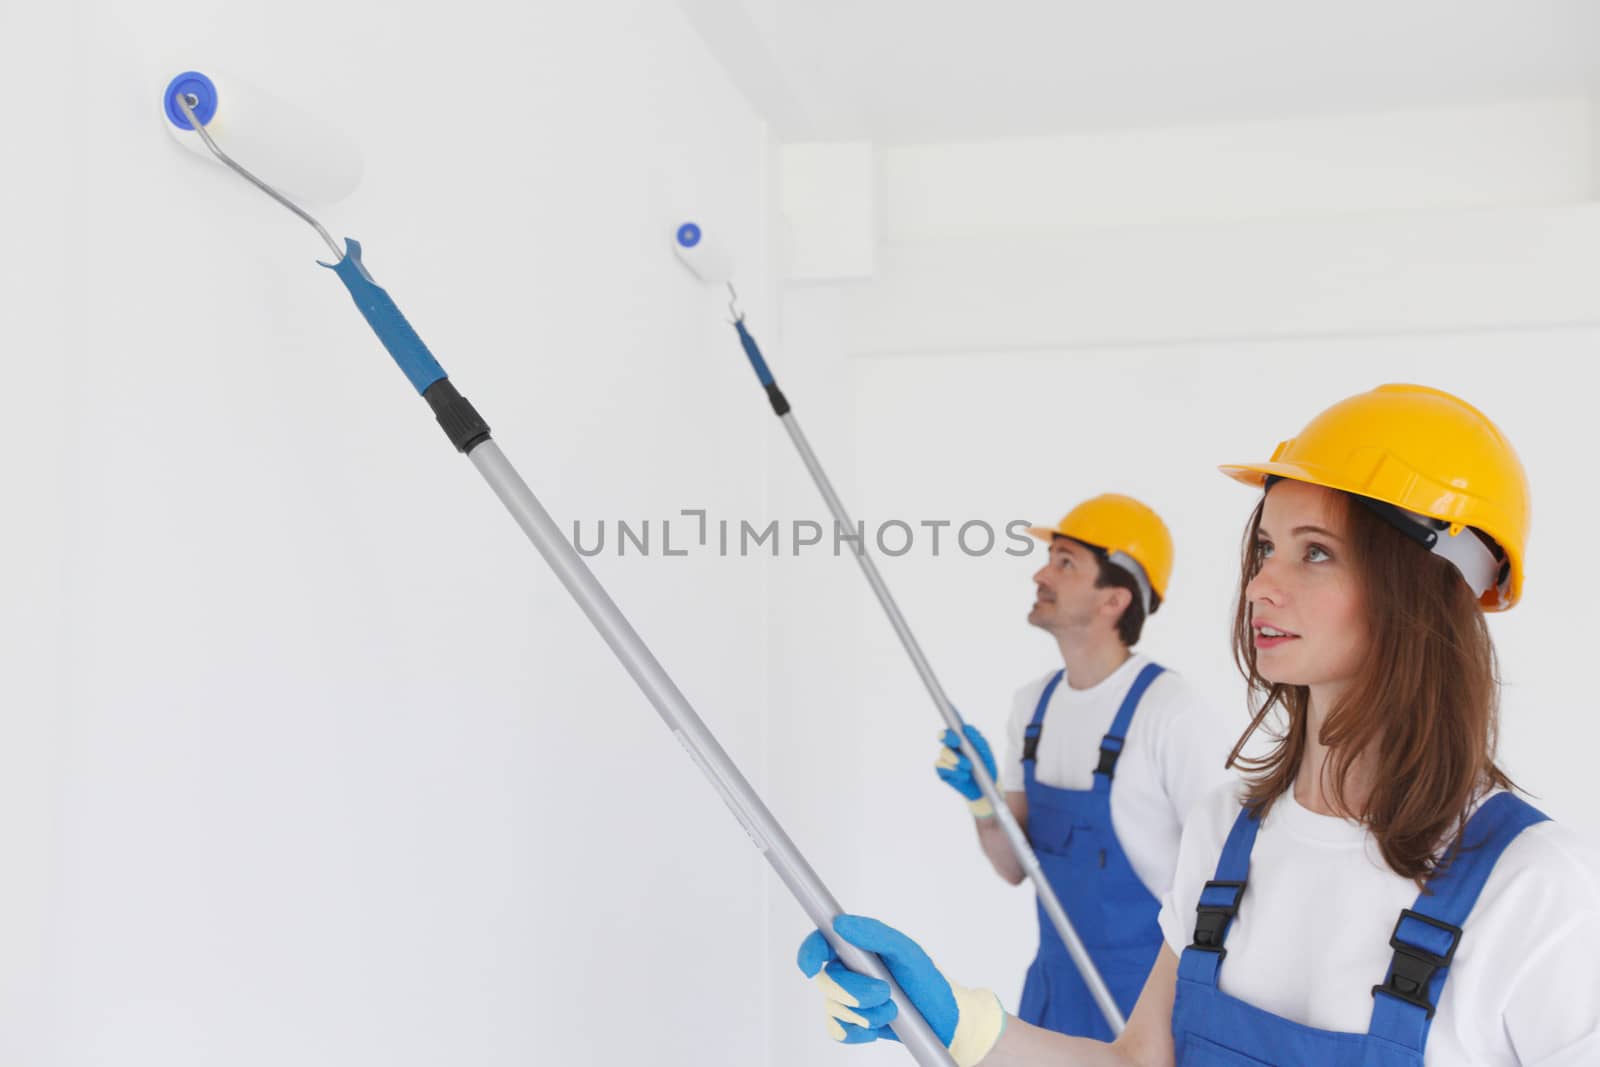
956 769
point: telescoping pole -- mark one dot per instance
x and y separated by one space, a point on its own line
952 718
470 435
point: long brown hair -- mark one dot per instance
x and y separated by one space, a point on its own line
1423 712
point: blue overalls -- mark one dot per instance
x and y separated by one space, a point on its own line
1212 1029
1112 911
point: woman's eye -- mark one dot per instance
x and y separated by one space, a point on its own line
1317 554
1263 549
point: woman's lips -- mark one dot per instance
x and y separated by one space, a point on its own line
1278 636
1263 641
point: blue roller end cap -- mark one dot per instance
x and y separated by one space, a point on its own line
198 86
688 235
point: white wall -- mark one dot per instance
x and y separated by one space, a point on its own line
307 759
993 370
34 301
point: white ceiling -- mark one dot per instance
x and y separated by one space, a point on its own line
898 71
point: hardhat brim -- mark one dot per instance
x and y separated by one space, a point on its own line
1050 533
1256 474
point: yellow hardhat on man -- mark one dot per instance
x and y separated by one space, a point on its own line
1132 536
1435 459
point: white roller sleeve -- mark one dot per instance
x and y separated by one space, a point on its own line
703 254
300 154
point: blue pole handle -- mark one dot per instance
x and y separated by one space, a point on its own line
410 354
751 349
775 397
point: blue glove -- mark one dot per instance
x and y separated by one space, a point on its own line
956 769
967 1021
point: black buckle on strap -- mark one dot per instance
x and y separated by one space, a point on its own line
1211 922
1413 968
1108 759
1030 741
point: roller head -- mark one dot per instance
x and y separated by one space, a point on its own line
198 88
702 256
297 152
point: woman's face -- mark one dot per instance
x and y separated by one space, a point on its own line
1307 612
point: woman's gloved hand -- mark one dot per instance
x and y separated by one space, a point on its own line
956 769
968 1021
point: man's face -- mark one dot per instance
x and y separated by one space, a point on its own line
1065 596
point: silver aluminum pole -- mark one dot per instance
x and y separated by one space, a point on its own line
697 740
952 718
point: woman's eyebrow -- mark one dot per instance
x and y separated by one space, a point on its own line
1317 530
1261 531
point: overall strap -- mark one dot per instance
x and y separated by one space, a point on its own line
1428 932
1219 903
1030 736
1111 744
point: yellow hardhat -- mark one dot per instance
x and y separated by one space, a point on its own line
1133 537
1428 454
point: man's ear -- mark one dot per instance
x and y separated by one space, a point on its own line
1120 599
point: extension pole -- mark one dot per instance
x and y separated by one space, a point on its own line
952 718
470 435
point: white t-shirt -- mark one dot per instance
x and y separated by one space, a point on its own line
1173 756
1312 935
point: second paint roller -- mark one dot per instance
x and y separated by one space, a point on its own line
711 264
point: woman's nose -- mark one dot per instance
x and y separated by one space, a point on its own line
1265 588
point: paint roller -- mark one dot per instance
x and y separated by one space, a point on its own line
199 105
709 262
325 166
